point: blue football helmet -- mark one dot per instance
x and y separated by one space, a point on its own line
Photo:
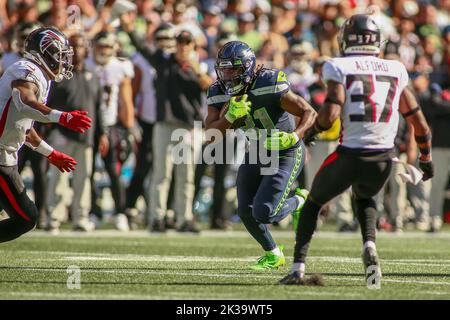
235 67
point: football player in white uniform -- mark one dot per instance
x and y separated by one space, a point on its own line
23 93
117 111
367 93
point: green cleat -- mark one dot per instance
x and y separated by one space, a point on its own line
302 193
270 261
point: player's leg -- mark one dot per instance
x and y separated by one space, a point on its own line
272 202
441 160
334 177
21 210
372 178
81 201
247 182
110 161
162 175
142 167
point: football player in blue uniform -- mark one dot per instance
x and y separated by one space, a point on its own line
249 97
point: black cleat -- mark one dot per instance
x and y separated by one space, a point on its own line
189 226
293 278
296 278
158 226
371 266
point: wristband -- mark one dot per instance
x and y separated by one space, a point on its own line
44 148
333 101
411 112
425 151
54 116
423 139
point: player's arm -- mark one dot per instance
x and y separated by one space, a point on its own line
126 110
223 119
330 111
24 98
127 24
414 116
62 161
298 106
215 120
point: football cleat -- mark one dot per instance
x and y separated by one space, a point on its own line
270 261
293 278
303 193
371 264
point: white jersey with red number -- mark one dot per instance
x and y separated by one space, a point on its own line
14 126
111 76
373 86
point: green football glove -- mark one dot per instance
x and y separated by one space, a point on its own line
238 109
281 140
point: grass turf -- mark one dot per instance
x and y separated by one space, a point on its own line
214 265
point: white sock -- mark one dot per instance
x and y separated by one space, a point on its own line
298 267
370 244
300 200
276 251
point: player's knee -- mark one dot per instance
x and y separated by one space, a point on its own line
244 213
262 213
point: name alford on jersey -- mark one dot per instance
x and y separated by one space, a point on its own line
373 86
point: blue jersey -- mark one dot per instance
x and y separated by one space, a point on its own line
265 96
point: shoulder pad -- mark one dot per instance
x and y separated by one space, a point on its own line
215 96
270 81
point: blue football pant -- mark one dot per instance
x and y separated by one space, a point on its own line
264 199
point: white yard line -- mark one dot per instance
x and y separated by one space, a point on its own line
99 256
235 234
221 275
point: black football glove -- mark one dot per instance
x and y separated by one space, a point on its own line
428 169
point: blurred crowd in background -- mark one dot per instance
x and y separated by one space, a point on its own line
152 71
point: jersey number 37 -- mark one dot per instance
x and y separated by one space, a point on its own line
372 99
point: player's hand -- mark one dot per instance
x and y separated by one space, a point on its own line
428 169
310 137
75 120
238 109
62 161
281 140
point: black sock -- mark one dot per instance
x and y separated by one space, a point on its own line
306 226
367 215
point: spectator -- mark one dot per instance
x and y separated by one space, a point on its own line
246 31
145 100
299 71
441 150
117 113
82 92
179 98
210 25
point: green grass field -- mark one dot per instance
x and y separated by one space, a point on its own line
214 265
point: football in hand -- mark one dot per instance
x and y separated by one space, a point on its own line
236 124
